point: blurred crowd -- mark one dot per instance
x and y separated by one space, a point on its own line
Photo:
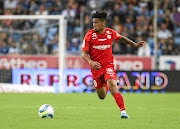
131 18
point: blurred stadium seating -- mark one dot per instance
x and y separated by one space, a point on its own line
132 18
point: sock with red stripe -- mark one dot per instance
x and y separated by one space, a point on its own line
119 100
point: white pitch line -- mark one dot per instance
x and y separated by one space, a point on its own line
109 108
159 108
86 108
89 108
11 106
93 108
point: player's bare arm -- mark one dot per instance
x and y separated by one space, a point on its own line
94 64
129 41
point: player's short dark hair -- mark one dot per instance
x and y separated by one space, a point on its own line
101 15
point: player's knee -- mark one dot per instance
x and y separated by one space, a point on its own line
113 89
102 97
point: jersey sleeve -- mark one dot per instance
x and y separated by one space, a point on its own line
116 35
86 42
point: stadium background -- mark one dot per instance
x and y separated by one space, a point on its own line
21 43
29 61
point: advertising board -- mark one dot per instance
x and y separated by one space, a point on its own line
74 80
169 62
126 63
79 80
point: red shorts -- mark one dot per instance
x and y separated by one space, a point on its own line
101 80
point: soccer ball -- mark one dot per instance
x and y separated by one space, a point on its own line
46 110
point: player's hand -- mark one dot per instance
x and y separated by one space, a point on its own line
140 44
95 65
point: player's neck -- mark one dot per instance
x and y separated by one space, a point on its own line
102 31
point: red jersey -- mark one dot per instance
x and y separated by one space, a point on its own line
99 47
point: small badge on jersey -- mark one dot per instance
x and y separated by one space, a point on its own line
109 36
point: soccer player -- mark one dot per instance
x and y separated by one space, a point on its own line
97 51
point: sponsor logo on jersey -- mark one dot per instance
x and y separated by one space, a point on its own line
102 47
110 71
108 32
102 39
94 36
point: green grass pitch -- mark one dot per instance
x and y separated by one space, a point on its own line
87 111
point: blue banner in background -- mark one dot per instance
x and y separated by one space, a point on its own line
80 80
74 80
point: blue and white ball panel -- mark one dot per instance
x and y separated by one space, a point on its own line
46 110
47 115
43 108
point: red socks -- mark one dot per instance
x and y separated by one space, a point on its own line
119 100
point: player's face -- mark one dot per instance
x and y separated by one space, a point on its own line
98 25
